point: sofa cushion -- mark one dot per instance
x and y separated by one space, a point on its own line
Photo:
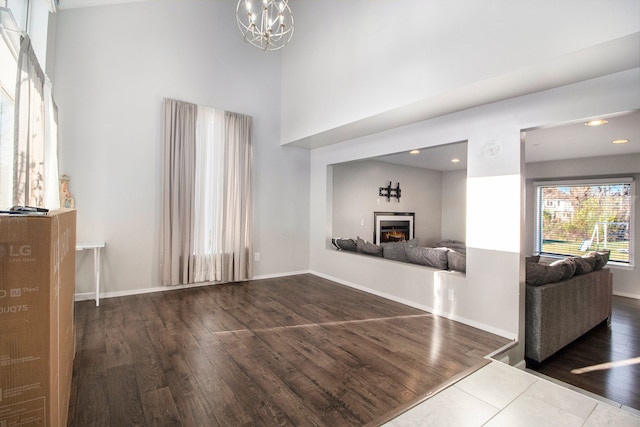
431 257
540 274
368 248
457 261
397 250
344 244
570 267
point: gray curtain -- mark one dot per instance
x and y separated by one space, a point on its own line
238 206
179 139
206 217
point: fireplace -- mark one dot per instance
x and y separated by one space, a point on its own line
393 226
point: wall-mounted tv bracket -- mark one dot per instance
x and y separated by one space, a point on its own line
390 192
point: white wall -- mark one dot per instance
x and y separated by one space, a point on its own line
349 61
492 297
454 205
626 280
355 198
114 65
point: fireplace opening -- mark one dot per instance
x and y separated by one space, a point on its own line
393 226
394 231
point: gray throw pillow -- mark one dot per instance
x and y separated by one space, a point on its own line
344 244
570 267
532 258
583 266
600 258
431 257
457 261
604 256
364 247
451 244
394 251
591 260
540 274
397 250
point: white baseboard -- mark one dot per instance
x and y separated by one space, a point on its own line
85 296
626 294
272 276
419 306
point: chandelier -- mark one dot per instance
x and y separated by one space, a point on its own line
267 25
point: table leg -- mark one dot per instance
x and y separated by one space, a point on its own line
96 261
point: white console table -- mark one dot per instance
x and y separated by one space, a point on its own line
96 247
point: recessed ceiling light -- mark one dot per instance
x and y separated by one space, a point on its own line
598 122
414 152
619 141
455 160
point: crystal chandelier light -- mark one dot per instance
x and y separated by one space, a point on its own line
267 25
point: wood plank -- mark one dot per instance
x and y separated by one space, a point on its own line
125 404
160 408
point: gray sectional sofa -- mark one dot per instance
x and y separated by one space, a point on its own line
448 255
561 311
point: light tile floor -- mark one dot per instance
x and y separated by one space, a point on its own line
501 395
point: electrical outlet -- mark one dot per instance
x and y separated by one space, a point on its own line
452 295
256 256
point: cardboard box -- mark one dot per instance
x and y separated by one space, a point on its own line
37 286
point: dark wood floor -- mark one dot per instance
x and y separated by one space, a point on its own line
298 350
603 345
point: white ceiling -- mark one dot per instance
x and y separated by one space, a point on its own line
561 142
576 141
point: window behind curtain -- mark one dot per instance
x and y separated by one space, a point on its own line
574 218
8 70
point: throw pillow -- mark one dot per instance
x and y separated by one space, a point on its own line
364 247
431 257
570 267
532 258
395 251
605 254
451 244
344 244
600 259
583 266
540 274
457 261
591 260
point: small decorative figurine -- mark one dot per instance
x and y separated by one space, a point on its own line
66 201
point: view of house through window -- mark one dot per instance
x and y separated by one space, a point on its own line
574 218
